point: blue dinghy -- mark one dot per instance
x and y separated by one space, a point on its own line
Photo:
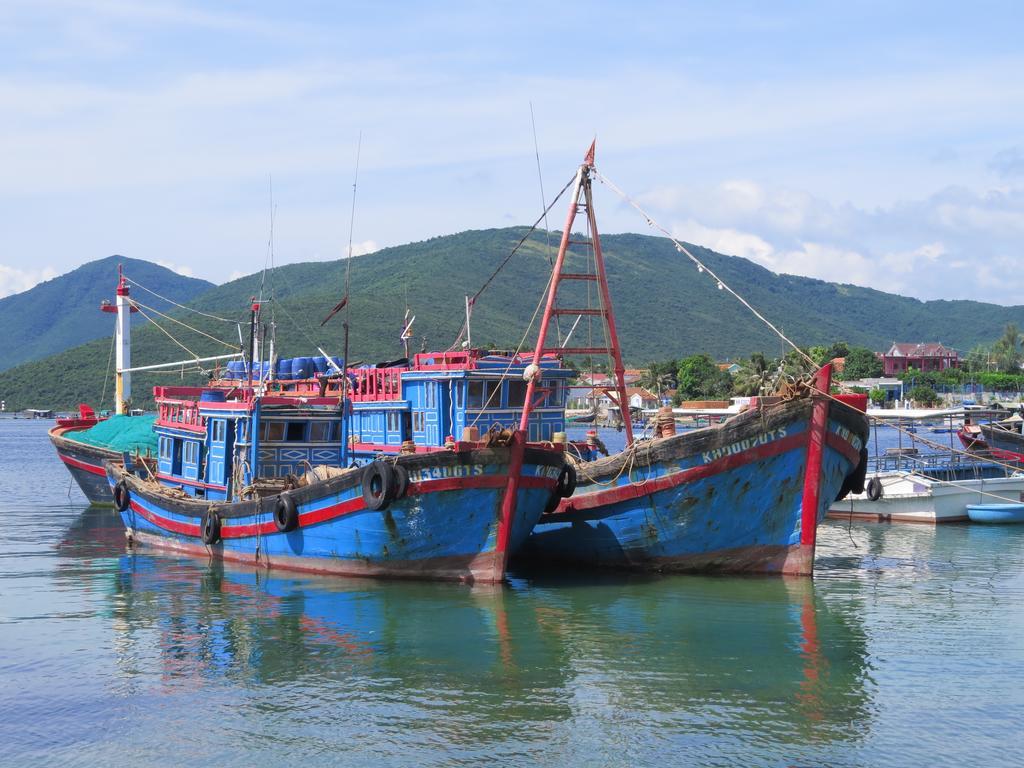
996 513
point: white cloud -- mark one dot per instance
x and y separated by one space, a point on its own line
954 244
17 280
363 248
181 269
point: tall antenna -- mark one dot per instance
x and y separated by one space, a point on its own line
348 261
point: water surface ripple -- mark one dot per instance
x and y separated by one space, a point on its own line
907 648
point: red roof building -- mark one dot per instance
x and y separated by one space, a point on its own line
923 357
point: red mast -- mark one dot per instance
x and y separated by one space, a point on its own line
582 201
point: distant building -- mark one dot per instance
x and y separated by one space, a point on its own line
731 368
924 357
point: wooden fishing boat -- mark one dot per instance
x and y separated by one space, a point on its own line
83 460
1004 438
745 495
288 464
996 513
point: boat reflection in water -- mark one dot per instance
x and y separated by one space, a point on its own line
613 664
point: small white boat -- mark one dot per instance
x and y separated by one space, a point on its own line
906 497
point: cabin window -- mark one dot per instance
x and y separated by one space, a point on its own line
393 422
516 393
296 432
418 423
459 394
430 395
273 431
165 447
320 431
218 430
480 394
555 392
191 452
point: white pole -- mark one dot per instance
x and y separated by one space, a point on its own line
123 381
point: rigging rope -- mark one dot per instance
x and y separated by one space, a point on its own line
505 261
701 267
137 284
166 333
141 306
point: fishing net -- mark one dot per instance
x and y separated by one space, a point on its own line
121 433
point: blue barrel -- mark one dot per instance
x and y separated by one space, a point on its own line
338 361
302 367
284 368
236 369
320 364
211 396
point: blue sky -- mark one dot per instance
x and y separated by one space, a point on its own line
856 142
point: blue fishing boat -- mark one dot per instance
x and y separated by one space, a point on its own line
357 475
996 513
745 495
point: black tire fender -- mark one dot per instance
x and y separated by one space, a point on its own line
122 496
566 484
209 528
401 481
874 489
378 485
286 514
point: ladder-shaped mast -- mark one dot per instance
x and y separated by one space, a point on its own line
582 202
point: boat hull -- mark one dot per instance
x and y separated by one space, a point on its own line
730 498
85 463
910 498
1005 444
996 513
446 526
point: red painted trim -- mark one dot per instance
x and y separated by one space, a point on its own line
517 450
816 436
636 490
165 523
229 531
82 465
834 441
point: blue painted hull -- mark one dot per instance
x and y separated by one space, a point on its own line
447 525
729 498
85 463
996 513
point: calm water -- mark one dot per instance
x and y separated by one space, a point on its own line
907 648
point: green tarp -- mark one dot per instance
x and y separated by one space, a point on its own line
121 433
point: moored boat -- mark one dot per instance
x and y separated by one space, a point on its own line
907 497
354 472
745 495
1004 438
996 513
84 444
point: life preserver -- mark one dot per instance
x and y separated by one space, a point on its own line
122 496
566 484
210 528
401 481
286 515
874 489
378 485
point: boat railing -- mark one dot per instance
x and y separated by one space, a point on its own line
371 384
948 462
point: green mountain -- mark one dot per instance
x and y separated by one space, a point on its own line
664 309
64 312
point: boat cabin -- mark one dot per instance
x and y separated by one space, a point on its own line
216 441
